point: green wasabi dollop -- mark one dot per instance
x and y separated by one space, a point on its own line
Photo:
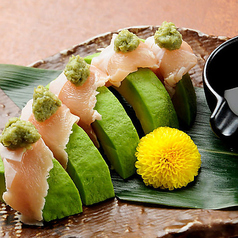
126 41
45 103
18 134
167 36
77 70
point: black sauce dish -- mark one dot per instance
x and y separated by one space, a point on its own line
220 78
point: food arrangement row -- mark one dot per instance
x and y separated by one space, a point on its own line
107 111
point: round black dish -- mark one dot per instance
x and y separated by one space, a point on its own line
221 73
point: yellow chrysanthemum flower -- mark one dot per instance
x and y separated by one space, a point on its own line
167 158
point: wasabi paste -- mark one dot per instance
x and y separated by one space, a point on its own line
45 103
168 37
77 70
19 134
126 41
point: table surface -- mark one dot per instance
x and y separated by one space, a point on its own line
33 30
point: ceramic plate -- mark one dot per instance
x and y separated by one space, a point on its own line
115 218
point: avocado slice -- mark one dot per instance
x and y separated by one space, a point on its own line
87 168
63 198
149 99
116 133
129 110
2 180
185 101
89 58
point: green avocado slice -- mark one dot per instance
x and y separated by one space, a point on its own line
88 169
149 99
88 58
2 180
185 101
116 133
63 198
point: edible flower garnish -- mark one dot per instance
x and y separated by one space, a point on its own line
167 158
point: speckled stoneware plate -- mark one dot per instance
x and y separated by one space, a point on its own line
115 218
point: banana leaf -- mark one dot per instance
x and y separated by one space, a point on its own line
18 82
216 185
